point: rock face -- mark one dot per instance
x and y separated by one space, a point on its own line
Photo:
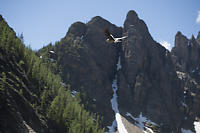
148 80
153 81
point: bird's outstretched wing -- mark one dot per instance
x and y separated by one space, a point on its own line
121 38
108 35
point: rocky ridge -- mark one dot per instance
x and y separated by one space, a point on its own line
153 81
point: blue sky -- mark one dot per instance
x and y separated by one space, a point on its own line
45 21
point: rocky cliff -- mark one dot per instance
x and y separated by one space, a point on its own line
186 57
148 80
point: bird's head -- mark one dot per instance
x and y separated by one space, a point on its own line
109 41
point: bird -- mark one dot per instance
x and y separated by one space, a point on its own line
111 39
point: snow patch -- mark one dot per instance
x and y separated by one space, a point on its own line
181 75
141 120
149 130
112 127
119 66
184 104
186 131
30 130
196 69
118 120
114 99
197 126
120 125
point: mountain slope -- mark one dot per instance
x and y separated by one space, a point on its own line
32 97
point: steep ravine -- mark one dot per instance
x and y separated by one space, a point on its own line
118 120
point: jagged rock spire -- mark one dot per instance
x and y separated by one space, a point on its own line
192 38
180 40
180 48
134 25
131 19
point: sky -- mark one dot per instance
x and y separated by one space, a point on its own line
47 21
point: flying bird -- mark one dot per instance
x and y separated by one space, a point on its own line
111 39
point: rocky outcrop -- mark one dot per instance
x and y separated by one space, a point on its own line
181 50
186 53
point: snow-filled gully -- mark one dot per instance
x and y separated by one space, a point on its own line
118 121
